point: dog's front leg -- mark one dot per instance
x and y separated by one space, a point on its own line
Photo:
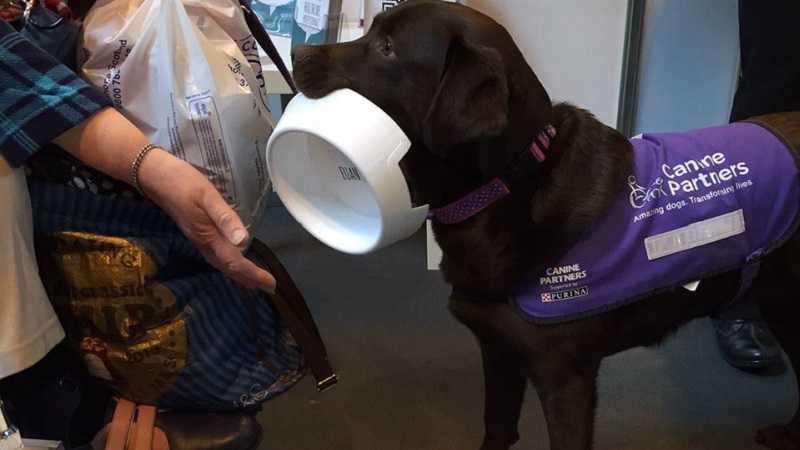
568 397
504 384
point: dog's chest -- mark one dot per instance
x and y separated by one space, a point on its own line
699 202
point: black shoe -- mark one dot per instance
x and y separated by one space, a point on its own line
746 344
210 431
230 430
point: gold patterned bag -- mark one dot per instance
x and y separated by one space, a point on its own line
149 315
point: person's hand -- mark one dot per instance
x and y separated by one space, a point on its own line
202 215
109 142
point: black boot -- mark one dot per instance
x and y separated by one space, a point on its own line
210 431
230 430
746 344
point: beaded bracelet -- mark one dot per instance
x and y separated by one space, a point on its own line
137 162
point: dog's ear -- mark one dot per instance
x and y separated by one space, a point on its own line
471 101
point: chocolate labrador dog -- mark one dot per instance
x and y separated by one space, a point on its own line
515 182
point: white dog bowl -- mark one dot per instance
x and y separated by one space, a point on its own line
334 162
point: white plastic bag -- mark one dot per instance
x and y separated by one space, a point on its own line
187 73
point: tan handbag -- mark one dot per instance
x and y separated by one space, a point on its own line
132 427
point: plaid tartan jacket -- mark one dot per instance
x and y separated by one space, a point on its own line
40 98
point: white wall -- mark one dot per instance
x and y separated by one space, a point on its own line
352 10
688 65
575 46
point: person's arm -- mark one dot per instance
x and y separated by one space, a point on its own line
43 101
40 98
109 142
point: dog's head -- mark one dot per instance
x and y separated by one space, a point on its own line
455 82
445 73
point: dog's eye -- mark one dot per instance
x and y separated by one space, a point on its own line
387 48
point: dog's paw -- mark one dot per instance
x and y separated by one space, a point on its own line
777 437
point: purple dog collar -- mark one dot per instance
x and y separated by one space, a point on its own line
497 188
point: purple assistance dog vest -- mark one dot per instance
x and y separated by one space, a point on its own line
698 203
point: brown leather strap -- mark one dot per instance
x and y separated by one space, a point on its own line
288 300
142 438
291 305
120 425
262 37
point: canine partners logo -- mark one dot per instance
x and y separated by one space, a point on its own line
566 294
641 196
